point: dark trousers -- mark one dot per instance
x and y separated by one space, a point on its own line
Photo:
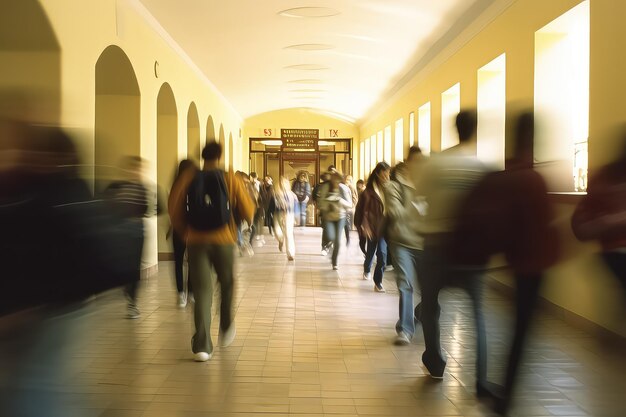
135 248
378 248
348 226
179 255
269 221
438 274
526 296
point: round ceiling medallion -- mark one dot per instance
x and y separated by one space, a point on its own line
307 67
309 12
310 47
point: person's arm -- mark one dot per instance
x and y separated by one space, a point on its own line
345 199
243 203
176 202
393 200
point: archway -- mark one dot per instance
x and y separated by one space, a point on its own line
117 118
30 74
167 153
210 129
193 133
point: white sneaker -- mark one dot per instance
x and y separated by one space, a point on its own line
202 356
402 339
367 276
132 312
379 288
191 298
227 337
335 268
388 268
324 252
182 300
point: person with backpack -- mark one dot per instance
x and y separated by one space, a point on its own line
333 205
202 208
369 218
319 193
302 189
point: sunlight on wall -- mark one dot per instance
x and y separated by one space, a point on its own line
491 112
387 145
562 98
362 159
411 128
423 128
379 148
450 107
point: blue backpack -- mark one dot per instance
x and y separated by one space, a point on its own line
208 207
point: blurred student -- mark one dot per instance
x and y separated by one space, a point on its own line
282 208
350 213
405 212
369 218
267 194
333 205
302 189
180 247
319 193
209 227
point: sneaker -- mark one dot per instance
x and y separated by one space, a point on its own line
132 312
367 276
402 339
434 370
202 356
227 337
379 288
335 268
388 268
182 300
324 252
249 251
290 258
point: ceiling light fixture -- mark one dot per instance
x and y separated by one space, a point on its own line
306 81
309 12
311 47
307 67
307 90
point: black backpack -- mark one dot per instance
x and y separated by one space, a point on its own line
208 207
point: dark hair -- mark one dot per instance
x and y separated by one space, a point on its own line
413 151
360 182
253 174
381 166
184 165
212 151
466 123
332 168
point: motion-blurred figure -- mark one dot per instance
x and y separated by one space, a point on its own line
334 200
350 213
302 189
180 247
267 193
405 212
318 194
601 215
369 219
508 212
202 206
445 181
282 207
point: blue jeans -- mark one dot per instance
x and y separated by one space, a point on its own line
439 274
333 234
408 266
301 213
378 248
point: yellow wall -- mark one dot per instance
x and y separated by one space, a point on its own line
579 283
298 119
83 31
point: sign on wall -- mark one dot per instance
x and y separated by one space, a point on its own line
300 139
269 132
332 133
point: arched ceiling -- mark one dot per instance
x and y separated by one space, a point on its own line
339 56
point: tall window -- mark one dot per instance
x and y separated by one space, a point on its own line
450 107
373 153
387 145
491 112
380 145
399 140
411 129
362 159
368 153
423 126
562 99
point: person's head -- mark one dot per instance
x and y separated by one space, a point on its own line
360 185
414 153
398 171
302 177
268 180
380 174
253 176
133 166
212 152
335 179
466 124
325 177
332 168
184 165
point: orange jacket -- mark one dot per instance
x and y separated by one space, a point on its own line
239 202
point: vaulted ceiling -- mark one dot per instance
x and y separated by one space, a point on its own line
339 56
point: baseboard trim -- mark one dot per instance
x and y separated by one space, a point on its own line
166 256
571 318
149 271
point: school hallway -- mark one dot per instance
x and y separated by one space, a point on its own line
316 342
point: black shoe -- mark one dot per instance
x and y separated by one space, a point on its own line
435 367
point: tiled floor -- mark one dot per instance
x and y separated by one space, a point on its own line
316 342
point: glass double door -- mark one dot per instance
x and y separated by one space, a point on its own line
292 167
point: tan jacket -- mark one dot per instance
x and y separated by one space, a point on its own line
240 203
